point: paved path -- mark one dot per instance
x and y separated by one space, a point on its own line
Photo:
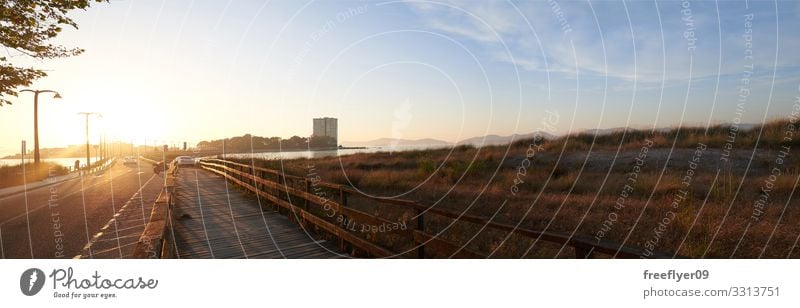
57 221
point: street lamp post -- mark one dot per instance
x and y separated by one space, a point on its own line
105 147
100 145
87 114
36 119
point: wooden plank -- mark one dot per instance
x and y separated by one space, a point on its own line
233 226
336 207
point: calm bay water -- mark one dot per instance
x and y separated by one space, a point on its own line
66 162
69 162
321 154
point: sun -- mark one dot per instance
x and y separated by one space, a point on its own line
133 117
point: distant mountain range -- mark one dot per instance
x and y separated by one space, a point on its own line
608 131
429 142
500 140
496 139
387 142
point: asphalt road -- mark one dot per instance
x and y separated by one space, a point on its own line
56 221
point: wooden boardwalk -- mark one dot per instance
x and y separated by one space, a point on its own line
213 219
202 213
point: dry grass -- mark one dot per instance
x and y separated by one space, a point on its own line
578 194
12 175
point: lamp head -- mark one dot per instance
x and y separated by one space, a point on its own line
57 96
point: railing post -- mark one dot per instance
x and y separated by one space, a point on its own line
259 174
251 174
279 182
308 191
420 228
342 204
342 197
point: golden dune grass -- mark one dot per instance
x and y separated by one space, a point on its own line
577 195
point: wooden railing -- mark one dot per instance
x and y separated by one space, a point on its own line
294 195
156 241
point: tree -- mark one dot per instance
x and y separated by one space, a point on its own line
26 26
295 142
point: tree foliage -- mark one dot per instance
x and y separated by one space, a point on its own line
248 143
26 27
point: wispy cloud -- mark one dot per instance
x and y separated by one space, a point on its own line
631 41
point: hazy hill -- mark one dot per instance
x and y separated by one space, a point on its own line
500 140
387 142
429 142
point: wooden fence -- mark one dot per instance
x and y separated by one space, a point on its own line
300 198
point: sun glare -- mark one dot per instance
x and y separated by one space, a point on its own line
126 118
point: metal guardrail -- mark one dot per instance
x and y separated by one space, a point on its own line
156 241
279 188
101 167
148 160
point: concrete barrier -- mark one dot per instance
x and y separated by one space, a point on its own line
156 241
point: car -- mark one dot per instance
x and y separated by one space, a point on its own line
185 161
130 160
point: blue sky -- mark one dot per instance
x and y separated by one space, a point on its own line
194 70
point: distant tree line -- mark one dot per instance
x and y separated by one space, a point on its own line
249 143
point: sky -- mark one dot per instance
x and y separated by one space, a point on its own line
177 70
